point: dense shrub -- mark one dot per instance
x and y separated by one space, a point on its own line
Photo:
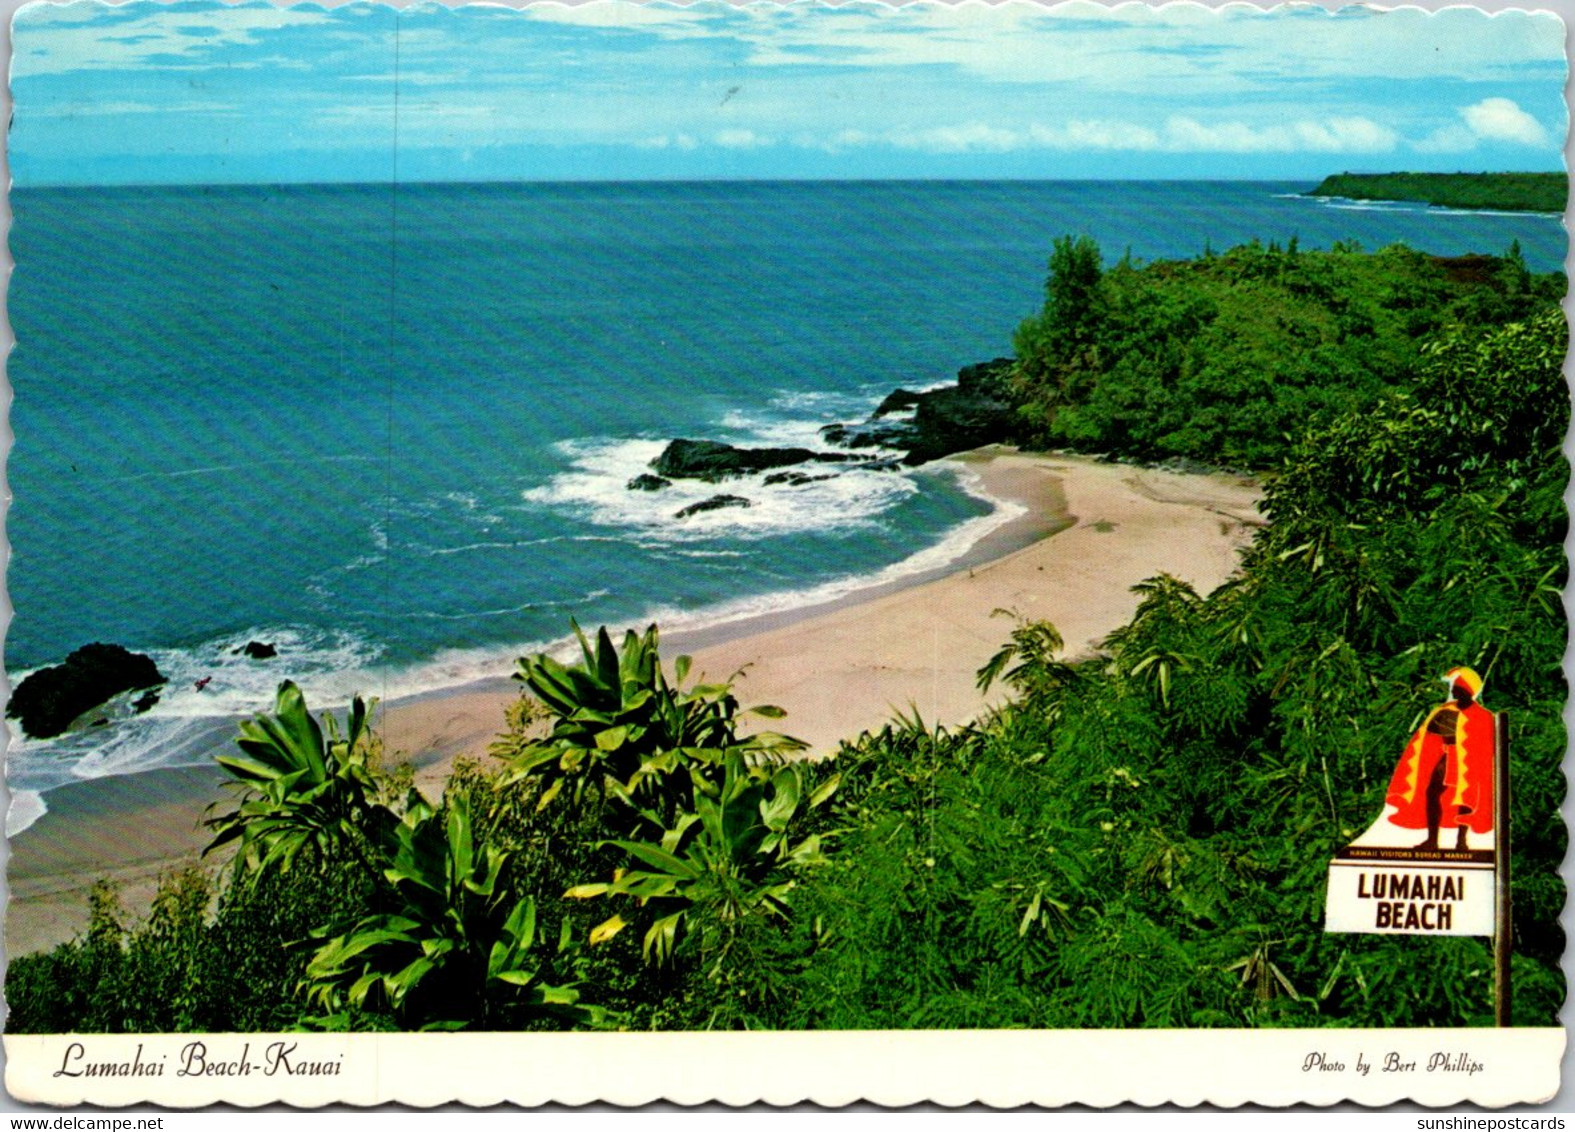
1228 358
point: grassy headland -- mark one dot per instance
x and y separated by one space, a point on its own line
1507 192
1136 838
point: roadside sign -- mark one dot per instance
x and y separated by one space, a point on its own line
1429 864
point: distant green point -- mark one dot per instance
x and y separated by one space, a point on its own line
1508 192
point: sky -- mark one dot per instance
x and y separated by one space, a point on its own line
202 92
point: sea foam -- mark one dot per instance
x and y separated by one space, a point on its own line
930 560
27 806
839 496
595 487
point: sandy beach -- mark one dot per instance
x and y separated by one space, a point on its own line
837 670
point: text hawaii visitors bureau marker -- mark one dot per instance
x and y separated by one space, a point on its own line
1452 783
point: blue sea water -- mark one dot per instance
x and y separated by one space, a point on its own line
388 428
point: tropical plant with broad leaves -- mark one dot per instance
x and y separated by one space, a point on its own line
619 728
305 784
1027 660
732 860
441 941
459 950
1153 647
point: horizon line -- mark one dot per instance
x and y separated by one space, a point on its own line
397 182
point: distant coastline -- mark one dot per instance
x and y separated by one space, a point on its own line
1504 192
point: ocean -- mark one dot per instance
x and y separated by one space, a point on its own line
388 429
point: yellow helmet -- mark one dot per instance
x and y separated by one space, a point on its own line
1465 677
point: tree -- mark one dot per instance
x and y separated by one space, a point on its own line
1057 345
1073 305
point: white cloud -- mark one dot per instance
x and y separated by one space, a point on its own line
1453 138
1136 48
403 78
1179 134
668 141
1501 119
1492 119
1131 47
975 137
618 14
79 108
88 37
1345 135
1081 134
849 139
741 139
358 116
1332 135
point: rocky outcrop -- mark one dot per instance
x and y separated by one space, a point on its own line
897 401
868 434
954 420
974 412
990 379
257 650
712 461
46 702
715 503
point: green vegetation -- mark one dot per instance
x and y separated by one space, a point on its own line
1138 838
1141 839
185 968
1508 192
1227 358
355 903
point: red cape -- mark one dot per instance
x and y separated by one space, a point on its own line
1468 779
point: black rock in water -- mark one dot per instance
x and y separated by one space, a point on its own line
793 479
974 412
871 434
257 650
711 461
715 503
144 702
46 702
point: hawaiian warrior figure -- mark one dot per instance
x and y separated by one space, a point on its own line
1445 778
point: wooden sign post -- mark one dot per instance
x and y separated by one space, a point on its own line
1503 930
